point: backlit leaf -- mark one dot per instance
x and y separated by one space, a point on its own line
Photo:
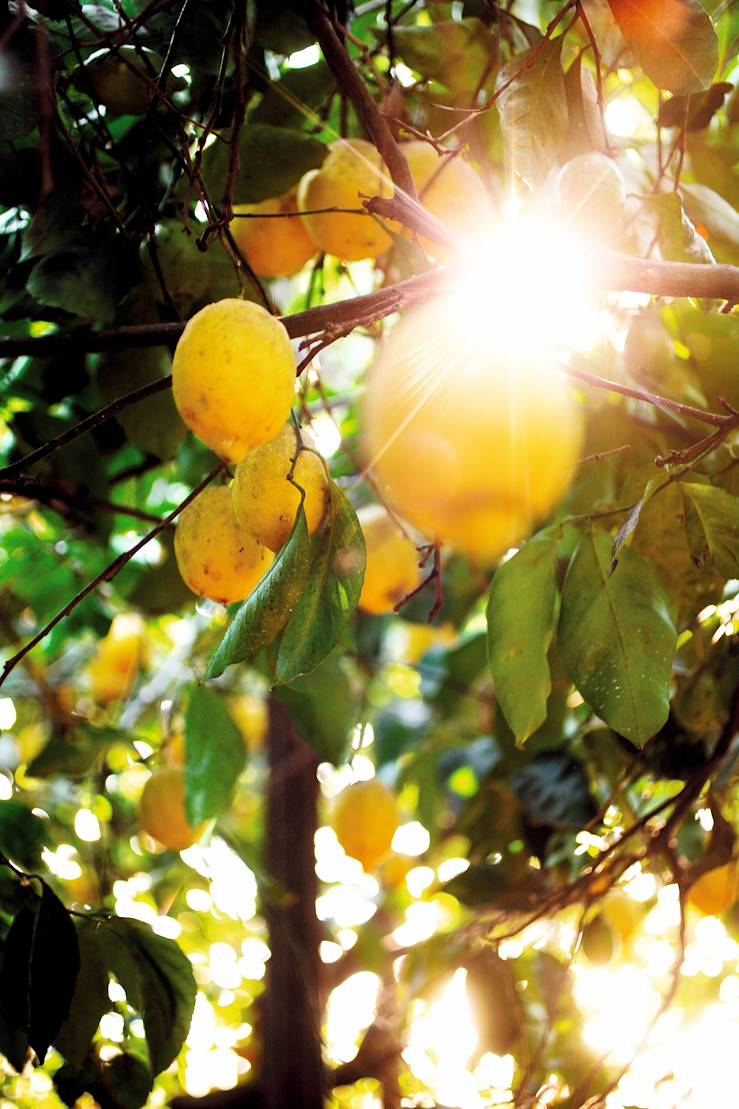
533 111
214 756
673 41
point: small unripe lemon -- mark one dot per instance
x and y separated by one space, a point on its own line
592 193
233 377
352 171
392 561
470 442
272 236
451 190
121 80
365 820
716 890
265 502
162 809
118 659
217 558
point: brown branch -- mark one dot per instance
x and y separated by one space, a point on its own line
60 495
349 80
715 419
107 574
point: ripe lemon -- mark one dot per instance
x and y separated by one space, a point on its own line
716 890
162 809
265 502
252 716
450 189
352 171
118 659
472 444
274 247
392 561
233 377
217 558
623 913
365 820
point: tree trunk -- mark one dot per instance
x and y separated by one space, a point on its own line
293 1072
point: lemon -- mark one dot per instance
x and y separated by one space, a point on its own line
118 658
716 890
274 246
352 171
449 189
392 561
251 713
162 809
471 443
217 558
233 377
265 502
365 820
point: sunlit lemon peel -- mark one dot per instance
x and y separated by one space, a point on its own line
233 377
272 237
471 440
216 557
352 172
365 819
118 659
266 501
162 809
392 570
716 890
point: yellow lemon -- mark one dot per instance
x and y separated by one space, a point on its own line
265 502
365 820
392 561
472 444
233 376
251 713
162 809
217 558
118 658
272 236
716 890
352 171
451 190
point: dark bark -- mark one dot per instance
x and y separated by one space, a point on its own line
293 1070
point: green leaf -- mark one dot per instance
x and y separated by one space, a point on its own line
617 636
554 791
522 614
694 112
215 755
85 279
323 708
39 969
709 210
271 161
76 751
713 527
676 234
533 112
329 599
158 981
19 104
448 673
153 425
455 53
585 131
90 999
126 1081
22 834
672 40
265 612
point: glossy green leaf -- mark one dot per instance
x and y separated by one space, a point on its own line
713 527
673 41
323 708
271 161
533 112
158 981
90 999
617 636
264 614
215 755
329 598
38 974
522 614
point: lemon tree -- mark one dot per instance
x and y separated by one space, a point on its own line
369 548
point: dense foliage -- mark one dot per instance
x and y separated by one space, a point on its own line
554 707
